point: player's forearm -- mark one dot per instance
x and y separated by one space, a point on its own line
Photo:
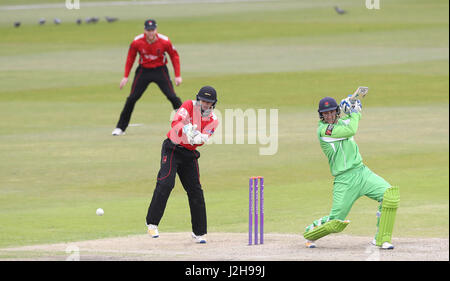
176 67
131 57
180 120
349 130
343 130
128 66
177 126
175 59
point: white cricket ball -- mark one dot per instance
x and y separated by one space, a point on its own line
99 212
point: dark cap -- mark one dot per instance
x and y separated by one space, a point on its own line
327 104
207 94
150 24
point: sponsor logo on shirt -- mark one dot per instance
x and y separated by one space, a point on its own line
151 57
329 130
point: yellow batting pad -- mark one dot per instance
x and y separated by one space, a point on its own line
332 226
391 200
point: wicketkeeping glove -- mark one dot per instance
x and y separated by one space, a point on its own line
199 138
190 130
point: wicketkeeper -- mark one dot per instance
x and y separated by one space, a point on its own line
352 178
192 126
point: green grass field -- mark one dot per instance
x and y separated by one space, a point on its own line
59 101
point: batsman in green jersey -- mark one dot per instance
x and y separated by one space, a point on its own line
352 178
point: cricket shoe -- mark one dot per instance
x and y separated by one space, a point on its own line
384 246
199 239
118 132
153 231
310 244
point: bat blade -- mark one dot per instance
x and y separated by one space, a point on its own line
359 93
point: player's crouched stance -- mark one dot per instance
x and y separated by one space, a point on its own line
192 126
352 178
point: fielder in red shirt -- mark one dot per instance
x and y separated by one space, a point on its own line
152 48
192 126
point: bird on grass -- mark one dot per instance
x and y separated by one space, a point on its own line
109 19
339 10
92 20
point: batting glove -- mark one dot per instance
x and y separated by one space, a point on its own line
357 107
345 106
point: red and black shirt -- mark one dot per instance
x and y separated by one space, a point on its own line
152 54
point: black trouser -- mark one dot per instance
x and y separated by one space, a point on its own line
177 159
142 78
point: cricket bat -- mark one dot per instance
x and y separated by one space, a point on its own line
359 93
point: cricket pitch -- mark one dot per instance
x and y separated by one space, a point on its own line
233 247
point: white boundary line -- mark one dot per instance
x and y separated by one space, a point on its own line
121 3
